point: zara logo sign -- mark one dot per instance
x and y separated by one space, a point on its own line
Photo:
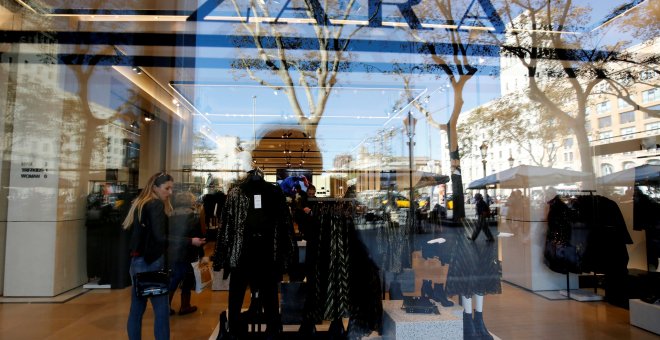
406 9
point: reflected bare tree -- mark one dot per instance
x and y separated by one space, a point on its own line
458 61
315 71
524 124
567 71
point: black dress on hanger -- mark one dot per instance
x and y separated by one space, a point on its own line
345 281
606 249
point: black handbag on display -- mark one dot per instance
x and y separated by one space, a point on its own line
563 257
152 283
419 304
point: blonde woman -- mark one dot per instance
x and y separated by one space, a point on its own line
148 221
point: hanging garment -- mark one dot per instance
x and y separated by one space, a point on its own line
608 235
256 227
563 253
343 279
474 267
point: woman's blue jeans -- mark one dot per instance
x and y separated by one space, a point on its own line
160 304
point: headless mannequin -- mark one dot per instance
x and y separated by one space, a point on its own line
256 269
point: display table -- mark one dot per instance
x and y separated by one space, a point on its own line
397 324
645 315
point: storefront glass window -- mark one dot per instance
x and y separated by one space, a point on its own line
439 136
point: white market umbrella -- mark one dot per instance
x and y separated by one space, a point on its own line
641 175
529 176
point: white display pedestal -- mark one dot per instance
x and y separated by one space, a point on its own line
397 324
582 295
522 257
95 285
645 315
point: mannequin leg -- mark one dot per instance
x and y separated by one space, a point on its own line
479 325
237 287
467 304
468 325
478 303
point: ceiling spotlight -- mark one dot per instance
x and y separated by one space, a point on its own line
135 125
137 69
149 117
175 102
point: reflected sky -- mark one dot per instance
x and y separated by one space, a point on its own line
367 97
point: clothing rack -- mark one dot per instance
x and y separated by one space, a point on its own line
576 193
572 191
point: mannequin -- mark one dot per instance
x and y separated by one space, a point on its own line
474 271
255 245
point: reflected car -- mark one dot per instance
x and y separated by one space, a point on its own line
423 203
401 201
449 202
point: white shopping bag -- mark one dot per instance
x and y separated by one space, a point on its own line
203 275
218 282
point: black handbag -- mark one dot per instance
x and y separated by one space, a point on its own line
563 257
152 283
419 304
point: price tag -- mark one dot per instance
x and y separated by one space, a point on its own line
257 201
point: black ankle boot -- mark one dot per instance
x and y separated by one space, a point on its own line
469 333
480 327
223 333
336 329
439 295
307 329
427 289
395 291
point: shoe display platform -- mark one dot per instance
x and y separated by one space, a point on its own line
397 324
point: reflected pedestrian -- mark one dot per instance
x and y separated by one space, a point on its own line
483 213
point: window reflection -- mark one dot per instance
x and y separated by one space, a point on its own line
97 95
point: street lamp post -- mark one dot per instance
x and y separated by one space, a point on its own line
511 160
409 124
484 152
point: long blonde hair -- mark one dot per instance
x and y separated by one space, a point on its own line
147 195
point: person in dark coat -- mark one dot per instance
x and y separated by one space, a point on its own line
483 212
185 246
212 204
